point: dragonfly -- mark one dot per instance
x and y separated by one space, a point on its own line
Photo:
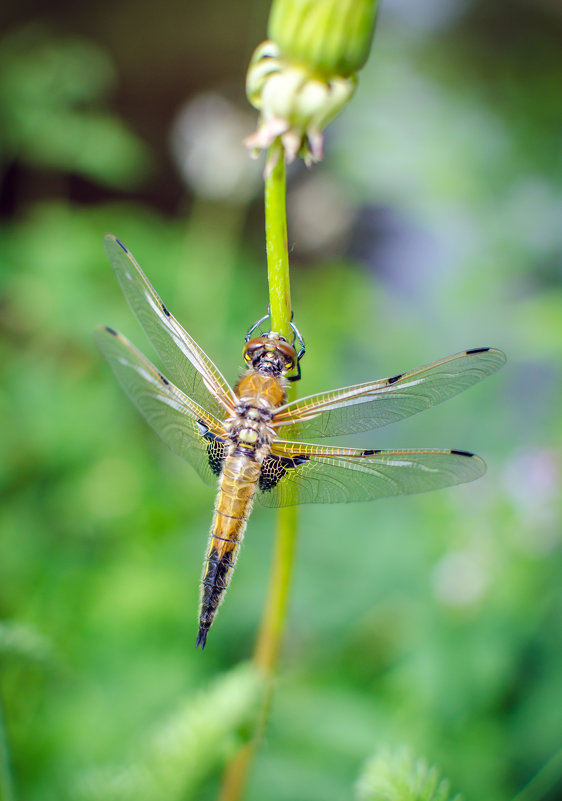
248 436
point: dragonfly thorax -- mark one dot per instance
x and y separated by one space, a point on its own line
258 394
249 427
249 431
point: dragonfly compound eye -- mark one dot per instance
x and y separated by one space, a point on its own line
253 349
288 354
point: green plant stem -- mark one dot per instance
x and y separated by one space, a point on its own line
273 622
266 654
543 780
276 243
268 645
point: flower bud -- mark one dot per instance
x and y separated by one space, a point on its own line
301 78
331 37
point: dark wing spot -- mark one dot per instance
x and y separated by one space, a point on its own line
163 379
121 245
394 378
111 331
371 452
208 434
272 471
165 310
216 449
477 350
274 468
463 453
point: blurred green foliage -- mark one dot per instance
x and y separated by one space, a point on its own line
51 99
399 777
431 622
196 739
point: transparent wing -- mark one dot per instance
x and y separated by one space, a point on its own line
186 362
182 424
299 473
378 403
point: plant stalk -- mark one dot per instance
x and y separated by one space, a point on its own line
276 244
268 644
543 780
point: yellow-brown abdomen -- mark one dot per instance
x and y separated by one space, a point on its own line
237 487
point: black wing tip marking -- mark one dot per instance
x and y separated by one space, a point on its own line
201 637
463 453
121 245
497 354
165 310
111 331
370 452
394 378
163 379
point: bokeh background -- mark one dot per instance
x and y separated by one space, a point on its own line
433 225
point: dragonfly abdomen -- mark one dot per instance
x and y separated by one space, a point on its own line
237 488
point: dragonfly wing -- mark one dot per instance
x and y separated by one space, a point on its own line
186 362
300 473
378 403
182 424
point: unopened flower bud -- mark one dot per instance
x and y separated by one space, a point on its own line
301 78
331 37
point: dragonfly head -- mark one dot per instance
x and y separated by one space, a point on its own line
270 354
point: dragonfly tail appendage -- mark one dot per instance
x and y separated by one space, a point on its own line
201 637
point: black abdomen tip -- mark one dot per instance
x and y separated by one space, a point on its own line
201 637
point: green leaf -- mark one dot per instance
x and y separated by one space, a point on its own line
182 751
399 776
